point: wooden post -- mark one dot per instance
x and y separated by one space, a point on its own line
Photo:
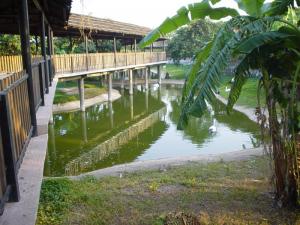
130 82
164 47
26 56
135 51
115 52
110 87
44 54
8 147
86 51
70 45
49 49
81 93
36 44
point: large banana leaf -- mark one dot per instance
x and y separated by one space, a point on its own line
280 7
194 11
208 78
251 7
257 40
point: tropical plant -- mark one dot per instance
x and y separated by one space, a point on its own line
263 40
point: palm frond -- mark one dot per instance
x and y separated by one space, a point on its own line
194 11
208 78
257 40
279 7
252 8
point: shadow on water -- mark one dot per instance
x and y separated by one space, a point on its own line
140 127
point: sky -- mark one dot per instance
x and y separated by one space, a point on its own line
149 13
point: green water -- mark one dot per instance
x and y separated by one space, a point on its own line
141 127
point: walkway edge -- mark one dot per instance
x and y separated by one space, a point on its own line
163 164
30 175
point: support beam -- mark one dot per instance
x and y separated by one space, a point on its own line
44 53
26 57
81 93
122 79
159 74
131 107
110 87
147 72
84 127
130 82
111 114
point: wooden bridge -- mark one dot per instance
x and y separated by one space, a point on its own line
27 84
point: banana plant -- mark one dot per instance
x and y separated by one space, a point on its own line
262 40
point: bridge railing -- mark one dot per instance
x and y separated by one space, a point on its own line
16 131
70 63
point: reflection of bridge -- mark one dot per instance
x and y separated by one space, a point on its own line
110 146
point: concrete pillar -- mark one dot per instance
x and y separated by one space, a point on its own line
130 82
147 71
159 74
131 107
83 126
51 120
122 79
147 99
81 93
110 87
111 114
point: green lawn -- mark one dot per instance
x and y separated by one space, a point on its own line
218 193
177 71
248 95
92 89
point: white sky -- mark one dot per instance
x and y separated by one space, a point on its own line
149 13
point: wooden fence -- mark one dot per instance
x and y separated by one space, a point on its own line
96 61
16 130
16 127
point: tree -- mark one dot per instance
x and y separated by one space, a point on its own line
188 40
265 41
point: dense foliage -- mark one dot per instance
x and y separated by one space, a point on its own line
187 41
267 40
64 45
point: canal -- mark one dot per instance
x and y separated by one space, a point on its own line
141 127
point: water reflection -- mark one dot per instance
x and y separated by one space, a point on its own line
139 127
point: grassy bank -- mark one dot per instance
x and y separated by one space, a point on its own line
248 95
217 193
62 96
177 71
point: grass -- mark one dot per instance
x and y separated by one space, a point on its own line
247 98
91 90
177 71
216 193
248 95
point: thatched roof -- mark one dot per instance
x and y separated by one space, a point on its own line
101 25
99 28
